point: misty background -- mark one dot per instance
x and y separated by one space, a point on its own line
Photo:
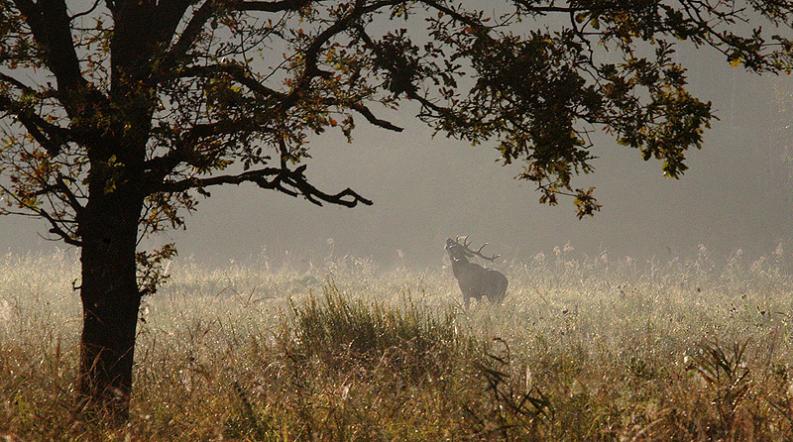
736 194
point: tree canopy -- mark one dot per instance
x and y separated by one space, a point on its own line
204 87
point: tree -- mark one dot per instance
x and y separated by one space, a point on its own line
118 114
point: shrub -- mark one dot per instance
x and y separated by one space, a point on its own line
343 331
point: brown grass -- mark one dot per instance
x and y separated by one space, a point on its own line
582 349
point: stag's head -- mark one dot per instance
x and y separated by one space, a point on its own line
461 251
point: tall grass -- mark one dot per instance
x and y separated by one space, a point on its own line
584 348
345 332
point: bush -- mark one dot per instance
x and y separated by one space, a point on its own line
342 331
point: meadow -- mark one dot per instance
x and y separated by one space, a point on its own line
584 348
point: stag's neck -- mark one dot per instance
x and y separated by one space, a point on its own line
458 265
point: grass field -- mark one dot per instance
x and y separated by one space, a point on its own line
582 349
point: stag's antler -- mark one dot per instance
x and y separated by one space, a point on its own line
478 253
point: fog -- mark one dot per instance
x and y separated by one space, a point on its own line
736 194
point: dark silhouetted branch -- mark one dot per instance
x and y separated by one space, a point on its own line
277 6
56 224
290 182
87 12
370 117
51 137
50 24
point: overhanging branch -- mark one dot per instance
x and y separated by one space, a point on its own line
239 74
290 182
51 137
86 12
50 23
412 94
57 223
276 6
235 71
370 117
211 8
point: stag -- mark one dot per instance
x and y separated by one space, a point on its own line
475 281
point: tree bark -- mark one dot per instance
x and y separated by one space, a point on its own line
110 299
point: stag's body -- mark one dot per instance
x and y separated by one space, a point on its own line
474 280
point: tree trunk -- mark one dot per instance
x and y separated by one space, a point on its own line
110 299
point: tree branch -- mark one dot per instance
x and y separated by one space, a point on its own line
371 118
290 182
50 23
190 34
51 137
548 9
236 71
276 6
412 94
60 187
311 54
55 224
84 13
169 14
473 23
16 83
242 76
209 9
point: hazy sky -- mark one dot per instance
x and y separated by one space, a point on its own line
736 194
